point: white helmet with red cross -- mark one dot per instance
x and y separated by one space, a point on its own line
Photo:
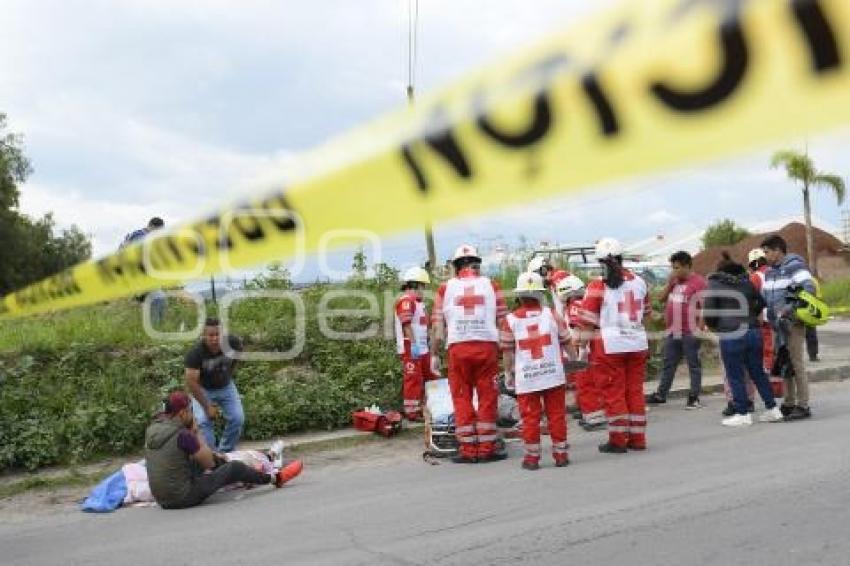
466 251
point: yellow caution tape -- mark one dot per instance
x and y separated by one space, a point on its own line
652 84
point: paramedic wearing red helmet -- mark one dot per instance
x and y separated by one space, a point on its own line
468 310
411 333
615 304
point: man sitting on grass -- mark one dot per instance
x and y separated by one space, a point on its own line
183 471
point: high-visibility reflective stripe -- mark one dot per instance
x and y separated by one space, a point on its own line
637 418
466 429
466 439
488 437
532 448
612 428
486 426
618 418
559 450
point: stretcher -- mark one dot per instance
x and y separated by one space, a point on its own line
440 440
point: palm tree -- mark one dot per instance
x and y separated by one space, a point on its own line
801 168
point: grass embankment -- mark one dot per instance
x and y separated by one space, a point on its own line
81 384
837 295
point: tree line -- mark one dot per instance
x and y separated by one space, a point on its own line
30 248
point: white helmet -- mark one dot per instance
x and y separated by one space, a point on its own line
529 282
466 250
570 286
537 263
416 274
755 255
608 247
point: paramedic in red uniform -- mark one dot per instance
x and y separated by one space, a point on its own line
411 334
468 310
615 304
570 291
532 338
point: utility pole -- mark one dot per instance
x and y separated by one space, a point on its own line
413 24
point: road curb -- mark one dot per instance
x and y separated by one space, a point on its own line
816 375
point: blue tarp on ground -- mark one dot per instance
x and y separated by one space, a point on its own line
107 495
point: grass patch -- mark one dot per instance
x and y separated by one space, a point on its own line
41 482
837 293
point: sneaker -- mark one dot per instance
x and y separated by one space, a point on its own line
773 415
693 403
751 407
275 454
655 399
738 420
288 472
494 457
530 465
786 409
561 460
798 413
729 410
590 427
609 448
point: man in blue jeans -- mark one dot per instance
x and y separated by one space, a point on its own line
209 377
683 297
732 309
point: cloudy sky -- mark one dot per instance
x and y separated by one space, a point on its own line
154 107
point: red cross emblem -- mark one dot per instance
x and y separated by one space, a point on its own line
469 300
535 342
630 306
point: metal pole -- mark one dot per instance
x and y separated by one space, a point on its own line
413 22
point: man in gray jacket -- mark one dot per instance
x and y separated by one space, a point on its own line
787 270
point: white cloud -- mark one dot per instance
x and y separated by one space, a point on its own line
150 107
663 217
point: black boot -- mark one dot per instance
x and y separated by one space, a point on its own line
729 410
464 460
655 399
609 448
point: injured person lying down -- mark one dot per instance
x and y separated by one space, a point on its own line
183 471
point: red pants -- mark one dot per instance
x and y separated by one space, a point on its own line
621 378
414 373
767 356
589 396
554 403
474 367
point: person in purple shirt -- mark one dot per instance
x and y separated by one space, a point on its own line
683 298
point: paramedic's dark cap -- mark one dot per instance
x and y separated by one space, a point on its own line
176 402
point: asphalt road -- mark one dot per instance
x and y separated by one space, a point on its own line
773 494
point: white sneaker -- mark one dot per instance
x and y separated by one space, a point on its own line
738 420
773 415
